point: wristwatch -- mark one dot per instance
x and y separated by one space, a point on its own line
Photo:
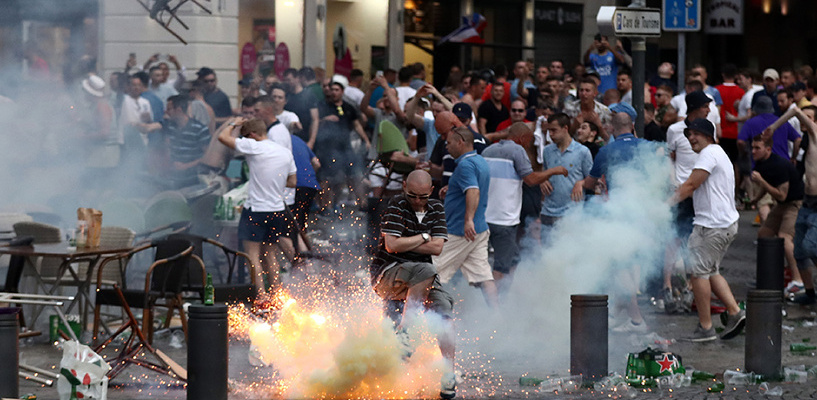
426 237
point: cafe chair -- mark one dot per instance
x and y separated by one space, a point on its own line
163 284
48 267
221 259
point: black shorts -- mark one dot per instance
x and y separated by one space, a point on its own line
264 226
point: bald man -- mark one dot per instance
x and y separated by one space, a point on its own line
510 167
412 230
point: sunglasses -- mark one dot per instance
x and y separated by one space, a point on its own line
517 110
209 80
417 196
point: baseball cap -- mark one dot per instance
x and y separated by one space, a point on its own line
701 125
462 110
625 108
446 121
762 105
696 100
342 80
771 73
796 86
246 81
204 71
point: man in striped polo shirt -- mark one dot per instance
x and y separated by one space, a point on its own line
187 140
413 229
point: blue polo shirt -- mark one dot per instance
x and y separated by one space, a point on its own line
472 172
622 150
578 161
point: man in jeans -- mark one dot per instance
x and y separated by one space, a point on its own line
711 185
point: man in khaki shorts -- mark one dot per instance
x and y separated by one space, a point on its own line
778 178
712 187
466 198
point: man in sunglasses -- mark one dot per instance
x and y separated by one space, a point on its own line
214 96
518 114
413 230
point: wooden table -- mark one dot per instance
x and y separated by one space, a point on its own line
68 255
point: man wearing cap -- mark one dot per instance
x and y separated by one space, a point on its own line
214 96
619 152
770 81
683 159
711 184
763 117
799 90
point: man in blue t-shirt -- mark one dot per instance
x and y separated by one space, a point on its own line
466 198
617 153
604 59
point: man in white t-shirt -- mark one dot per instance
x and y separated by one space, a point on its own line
264 226
712 187
678 102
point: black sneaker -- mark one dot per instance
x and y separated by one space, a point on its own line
703 335
804 300
734 325
448 385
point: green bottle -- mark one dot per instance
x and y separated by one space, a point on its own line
529 381
209 291
702 375
802 347
718 386
218 212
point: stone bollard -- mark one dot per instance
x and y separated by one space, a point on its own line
764 319
207 352
770 257
9 353
588 336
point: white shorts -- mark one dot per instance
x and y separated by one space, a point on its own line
472 257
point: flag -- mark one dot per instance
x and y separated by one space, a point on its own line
468 32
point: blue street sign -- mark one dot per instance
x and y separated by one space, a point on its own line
682 15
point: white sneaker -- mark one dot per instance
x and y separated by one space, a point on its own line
794 288
631 327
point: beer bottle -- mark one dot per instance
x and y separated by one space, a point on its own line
209 291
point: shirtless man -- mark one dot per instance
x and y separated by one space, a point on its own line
805 227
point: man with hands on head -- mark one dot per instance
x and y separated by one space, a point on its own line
264 224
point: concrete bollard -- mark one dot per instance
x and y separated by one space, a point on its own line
207 352
9 353
770 263
588 336
764 319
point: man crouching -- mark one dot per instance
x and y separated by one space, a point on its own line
413 229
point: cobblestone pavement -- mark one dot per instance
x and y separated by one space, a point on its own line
500 379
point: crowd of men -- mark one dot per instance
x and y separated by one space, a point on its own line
490 163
